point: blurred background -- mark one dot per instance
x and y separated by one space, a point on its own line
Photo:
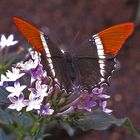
64 19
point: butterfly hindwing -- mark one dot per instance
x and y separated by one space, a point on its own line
94 73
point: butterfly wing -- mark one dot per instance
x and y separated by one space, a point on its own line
113 38
30 32
92 73
96 62
52 57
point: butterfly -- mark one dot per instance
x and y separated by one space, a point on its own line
85 66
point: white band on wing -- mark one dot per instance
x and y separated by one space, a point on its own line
101 56
48 55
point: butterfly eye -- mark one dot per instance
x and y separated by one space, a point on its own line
92 40
46 37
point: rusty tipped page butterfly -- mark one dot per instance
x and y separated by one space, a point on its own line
89 66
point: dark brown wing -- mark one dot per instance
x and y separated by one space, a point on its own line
91 73
95 60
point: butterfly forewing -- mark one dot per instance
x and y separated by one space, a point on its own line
114 37
31 33
85 49
52 57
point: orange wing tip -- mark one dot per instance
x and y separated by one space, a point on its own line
114 37
30 32
129 26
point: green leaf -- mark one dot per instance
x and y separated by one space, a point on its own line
25 121
102 121
3 96
128 124
5 117
3 135
98 121
70 130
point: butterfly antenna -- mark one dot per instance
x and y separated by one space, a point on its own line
52 35
56 39
75 38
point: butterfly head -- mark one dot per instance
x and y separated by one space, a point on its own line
92 40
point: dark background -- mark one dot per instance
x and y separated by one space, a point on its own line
64 19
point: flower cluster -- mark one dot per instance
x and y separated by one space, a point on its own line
30 87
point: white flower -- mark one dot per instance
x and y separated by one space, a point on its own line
33 79
30 64
16 90
34 54
17 103
34 103
7 42
14 74
45 110
104 96
3 79
104 109
41 90
11 76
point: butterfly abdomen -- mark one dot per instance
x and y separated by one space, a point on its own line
70 66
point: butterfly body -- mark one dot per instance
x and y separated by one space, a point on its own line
90 64
70 66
